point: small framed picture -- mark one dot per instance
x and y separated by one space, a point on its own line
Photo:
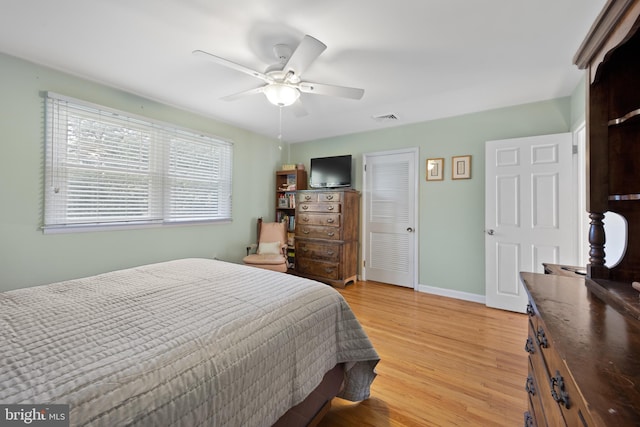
461 167
283 202
435 169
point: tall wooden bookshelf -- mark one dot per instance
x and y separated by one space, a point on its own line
288 182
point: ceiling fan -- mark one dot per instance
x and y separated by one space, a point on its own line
283 79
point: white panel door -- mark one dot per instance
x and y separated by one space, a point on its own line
389 212
529 213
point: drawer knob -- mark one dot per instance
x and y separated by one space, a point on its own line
529 347
329 196
307 197
531 389
330 234
328 270
330 253
558 392
330 220
305 207
330 208
305 231
305 218
542 338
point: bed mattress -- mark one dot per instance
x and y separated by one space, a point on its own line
187 342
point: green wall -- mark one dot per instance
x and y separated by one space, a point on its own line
451 222
28 257
451 213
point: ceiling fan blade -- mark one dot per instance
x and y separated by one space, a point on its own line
330 90
233 65
298 109
244 93
306 52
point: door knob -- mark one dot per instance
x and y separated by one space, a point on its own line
490 232
410 230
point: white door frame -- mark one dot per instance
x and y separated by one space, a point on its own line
416 154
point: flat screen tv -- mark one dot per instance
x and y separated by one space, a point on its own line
330 172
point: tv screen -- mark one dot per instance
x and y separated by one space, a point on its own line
330 172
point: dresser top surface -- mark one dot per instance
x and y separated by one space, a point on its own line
599 345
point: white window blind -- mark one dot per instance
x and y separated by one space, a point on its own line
105 168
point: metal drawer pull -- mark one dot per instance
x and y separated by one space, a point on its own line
558 392
307 197
305 207
330 253
328 270
531 389
529 347
331 234
305 218
530 310
528 420
542 338
329 196
305 231
330 208
330 220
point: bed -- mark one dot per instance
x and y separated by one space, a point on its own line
187 342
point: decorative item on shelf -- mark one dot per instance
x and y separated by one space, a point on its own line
283 202
288 167
300 166
435 169
461 167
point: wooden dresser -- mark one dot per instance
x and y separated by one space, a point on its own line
584 356
326 239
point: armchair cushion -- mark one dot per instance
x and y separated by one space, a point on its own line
265 248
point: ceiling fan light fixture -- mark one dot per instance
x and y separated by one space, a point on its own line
281 95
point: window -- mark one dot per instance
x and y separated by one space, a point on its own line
106 168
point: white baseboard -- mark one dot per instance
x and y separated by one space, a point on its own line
465 296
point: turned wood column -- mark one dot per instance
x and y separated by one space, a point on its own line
596 268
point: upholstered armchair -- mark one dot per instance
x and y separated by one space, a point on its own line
271 249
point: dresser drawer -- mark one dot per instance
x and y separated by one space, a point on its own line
314 267
320 207
317 232
318 251
328 219
307 197
562 387
330 197
536 410
535 346
313 196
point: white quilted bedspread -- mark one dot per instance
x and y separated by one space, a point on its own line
188 342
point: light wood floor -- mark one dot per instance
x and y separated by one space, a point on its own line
444 362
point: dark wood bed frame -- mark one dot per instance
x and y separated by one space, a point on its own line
310 411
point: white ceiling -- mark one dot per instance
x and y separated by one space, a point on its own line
417 59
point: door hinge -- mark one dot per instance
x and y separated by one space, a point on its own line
575 149
364 263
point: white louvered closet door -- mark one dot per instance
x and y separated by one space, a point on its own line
389 218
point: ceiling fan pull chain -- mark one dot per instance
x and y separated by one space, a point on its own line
280 123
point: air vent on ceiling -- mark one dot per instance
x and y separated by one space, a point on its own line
385 117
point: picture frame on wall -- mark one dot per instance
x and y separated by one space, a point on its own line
461 167
435 169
